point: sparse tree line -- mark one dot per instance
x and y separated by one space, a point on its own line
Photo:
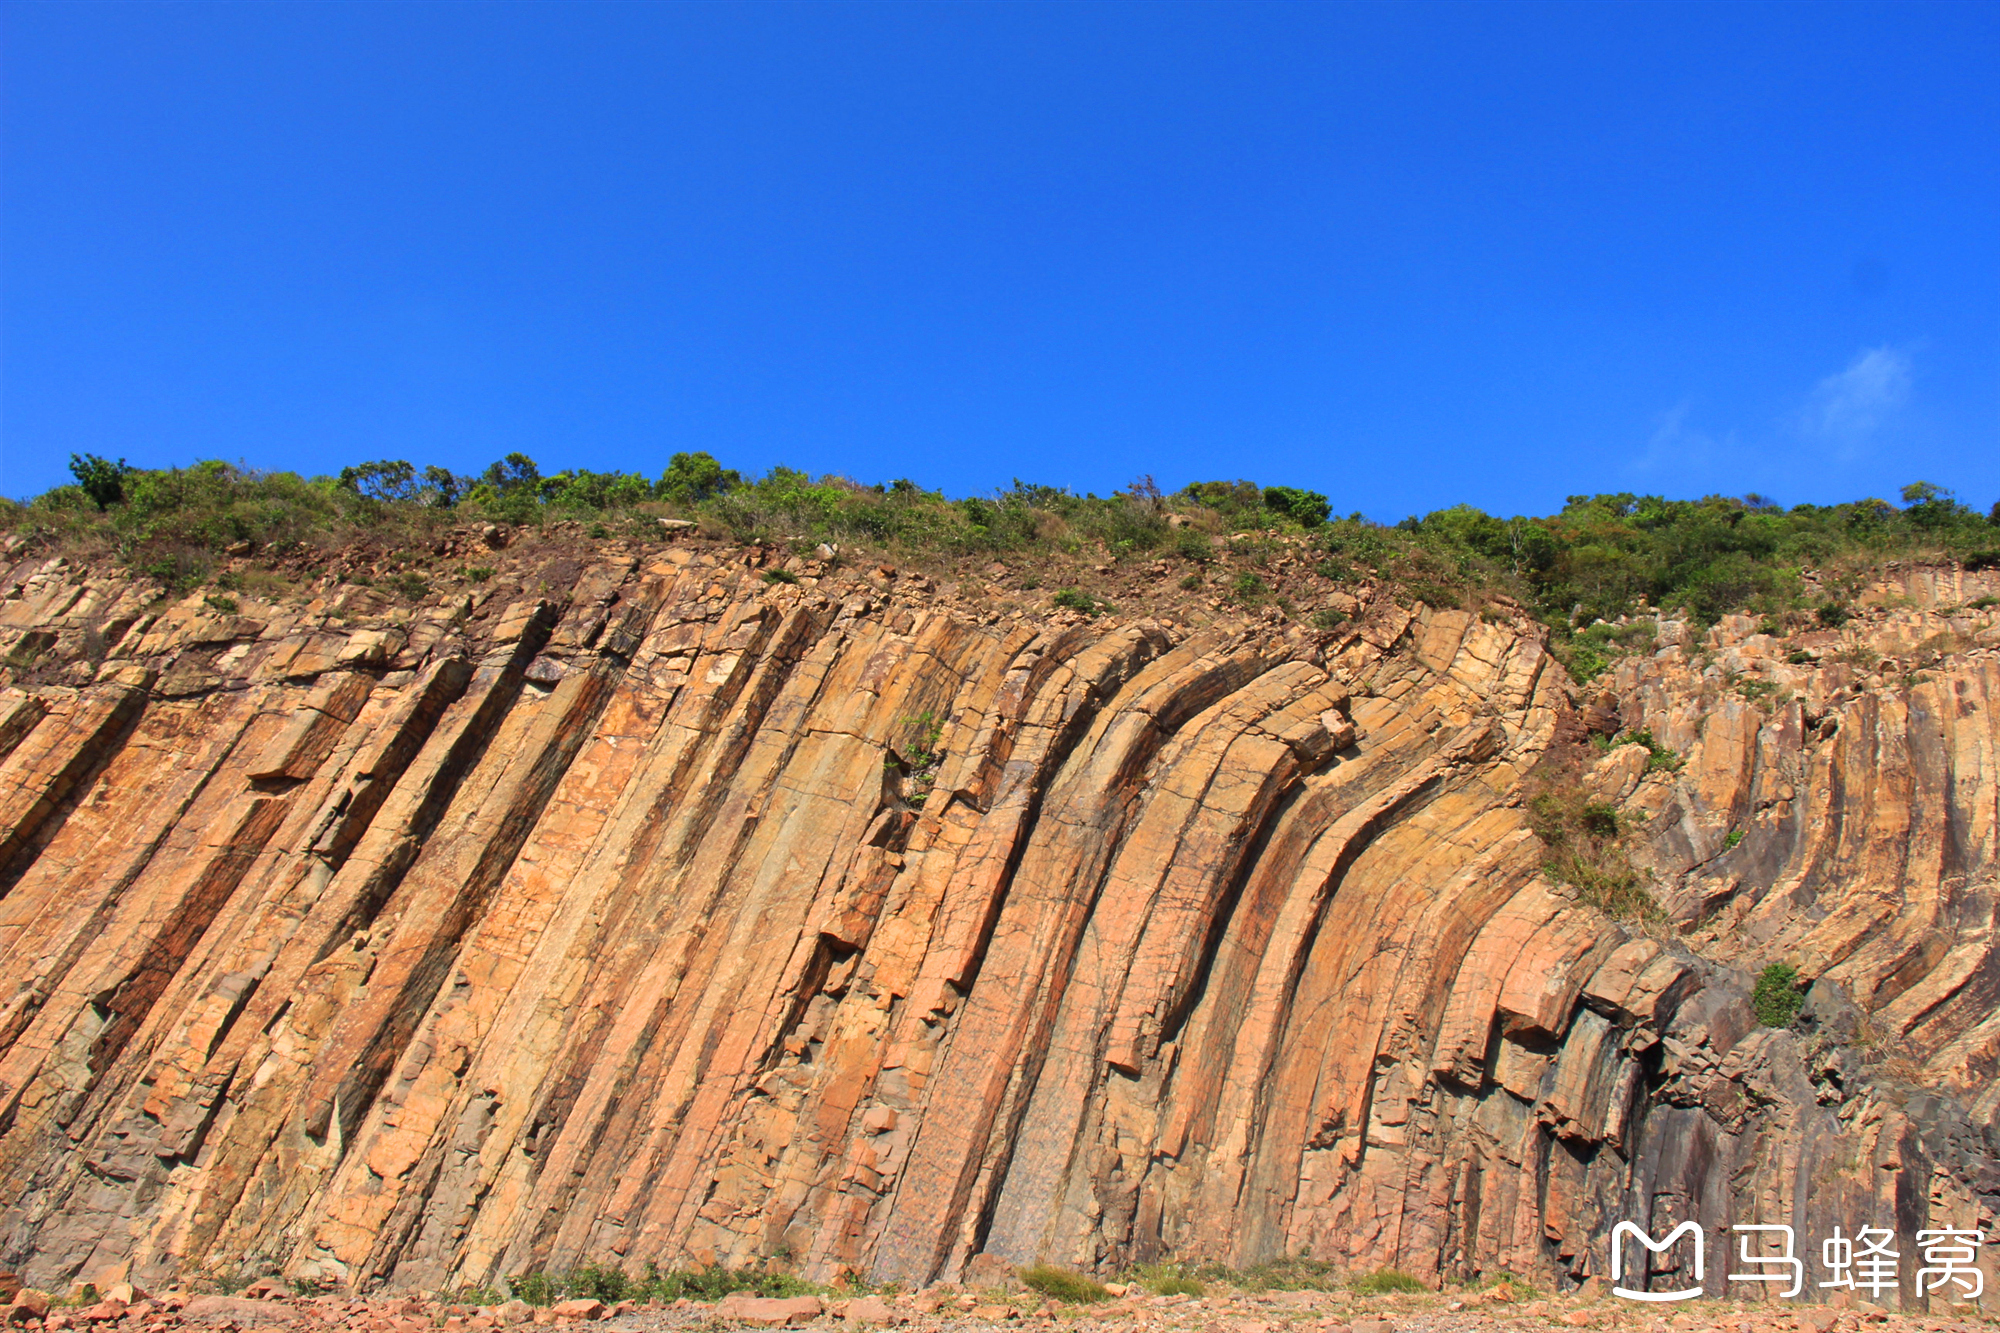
1598 558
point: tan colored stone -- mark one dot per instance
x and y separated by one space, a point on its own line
239 1309
869 1310
691 919
28 1303
769 1311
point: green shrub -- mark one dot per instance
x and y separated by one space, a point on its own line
1384 1281
605 1282
1658 757
1194 546
1983 603
227 605
598 1282
1190 582
535 1288
1072 599
1588 652
780 576
1328 617
101 480
409 585
1584 662
692 478
1832 615
479 573
1247 588
1735 837
1434 594
1777 996
1063 1285
1306 508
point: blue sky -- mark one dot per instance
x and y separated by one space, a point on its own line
1408 255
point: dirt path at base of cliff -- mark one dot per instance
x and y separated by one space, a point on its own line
949 1310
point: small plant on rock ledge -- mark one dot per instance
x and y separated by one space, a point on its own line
1658 757
923 759
1777 997
1072 599
1583 842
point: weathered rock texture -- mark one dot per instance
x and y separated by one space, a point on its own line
643 921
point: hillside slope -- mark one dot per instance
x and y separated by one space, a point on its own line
641 908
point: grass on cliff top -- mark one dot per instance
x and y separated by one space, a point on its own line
1579 570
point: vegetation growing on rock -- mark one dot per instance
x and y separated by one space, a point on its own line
1777 998
1584 570
1065 1285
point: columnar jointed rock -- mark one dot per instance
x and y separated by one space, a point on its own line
648 923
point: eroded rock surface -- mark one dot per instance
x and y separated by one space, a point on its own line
672 914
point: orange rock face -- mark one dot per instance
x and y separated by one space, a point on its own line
672 915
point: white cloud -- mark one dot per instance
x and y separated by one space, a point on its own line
1846 410
1676 442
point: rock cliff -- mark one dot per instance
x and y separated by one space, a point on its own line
669 912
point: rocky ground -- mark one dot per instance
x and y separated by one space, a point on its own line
943 1309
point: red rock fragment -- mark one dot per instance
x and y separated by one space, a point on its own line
769 1311
28 1303
869 1310
239 1310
